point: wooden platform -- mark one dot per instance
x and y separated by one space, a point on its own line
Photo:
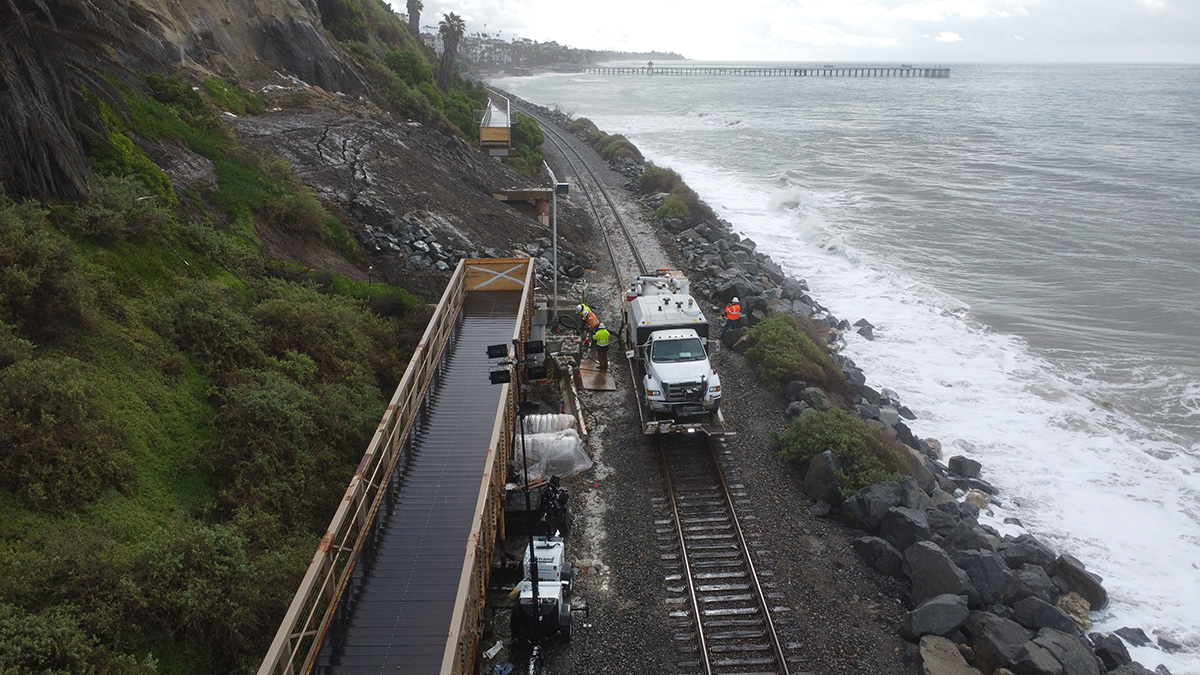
594 379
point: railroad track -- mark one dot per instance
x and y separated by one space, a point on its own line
722 619
596 195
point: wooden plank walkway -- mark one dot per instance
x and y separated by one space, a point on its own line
738 71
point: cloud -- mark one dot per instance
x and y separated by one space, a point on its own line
947 36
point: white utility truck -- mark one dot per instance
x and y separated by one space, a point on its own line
667 336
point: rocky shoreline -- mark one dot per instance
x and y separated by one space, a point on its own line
977 601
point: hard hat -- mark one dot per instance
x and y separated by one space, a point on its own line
734 300
600 325
578 308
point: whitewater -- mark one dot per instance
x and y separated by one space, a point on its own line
1025 241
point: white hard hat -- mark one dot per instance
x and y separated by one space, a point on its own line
578 308
599 326
735 300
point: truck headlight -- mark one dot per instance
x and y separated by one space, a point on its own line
715 390
653 392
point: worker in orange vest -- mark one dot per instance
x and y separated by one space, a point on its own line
588 318
733 316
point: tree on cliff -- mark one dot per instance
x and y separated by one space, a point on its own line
414 16
451 29
51 52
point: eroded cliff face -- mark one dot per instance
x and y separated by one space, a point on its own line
248 41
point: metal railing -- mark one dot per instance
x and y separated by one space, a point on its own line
298 640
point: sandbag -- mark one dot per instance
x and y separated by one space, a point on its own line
557 453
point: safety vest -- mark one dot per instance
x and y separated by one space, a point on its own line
602 337
590 320
733 312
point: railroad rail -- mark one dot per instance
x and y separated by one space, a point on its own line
772 71
722 603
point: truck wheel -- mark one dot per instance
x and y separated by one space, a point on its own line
564 621
567 575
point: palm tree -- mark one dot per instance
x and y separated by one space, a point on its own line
451 28
414 16
51 52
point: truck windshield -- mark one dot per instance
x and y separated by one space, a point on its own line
687 349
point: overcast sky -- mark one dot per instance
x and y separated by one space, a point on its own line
926 31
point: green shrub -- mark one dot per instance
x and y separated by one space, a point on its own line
409 66
120 208
781 351
672 207
208 323
287 449
865 455
13 347
61 447
53 642
41 287
430 91
655 179
583 125
527 138
346 342
345 19
618 147
234 99
459 108
198 582
120 156
183 99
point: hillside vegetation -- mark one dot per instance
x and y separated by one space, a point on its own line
179 414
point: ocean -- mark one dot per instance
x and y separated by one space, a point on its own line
1025 240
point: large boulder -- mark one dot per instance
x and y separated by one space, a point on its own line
1030 581
737 287
1082 581
986 570
1111 650
963 466
998 643
940 522
881 556
821 481
939 615
1027 550
1035 659
914 494
1073 605
967 536
868 506
933 573
817 398
1037 614
1069 651
902 527
940 656
1134 636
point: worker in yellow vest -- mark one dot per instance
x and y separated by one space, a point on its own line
733 316
602 338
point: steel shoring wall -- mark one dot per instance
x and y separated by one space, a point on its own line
399 436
